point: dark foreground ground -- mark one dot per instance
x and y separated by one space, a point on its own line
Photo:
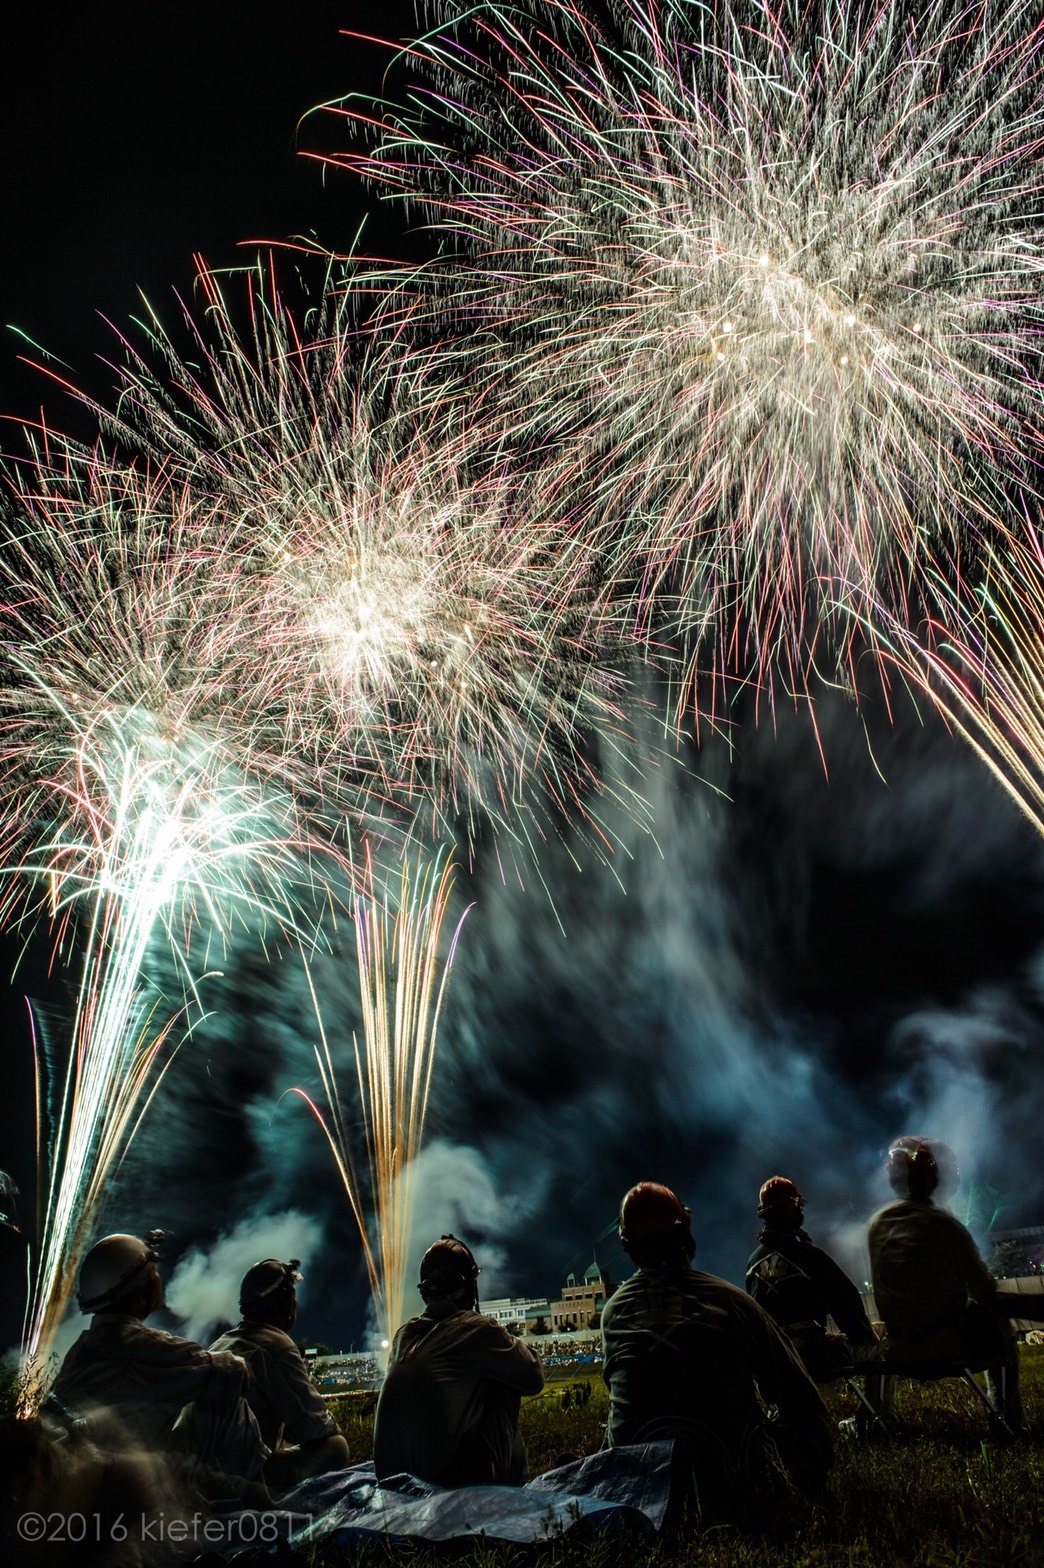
941 1497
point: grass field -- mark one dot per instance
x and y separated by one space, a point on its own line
940 1497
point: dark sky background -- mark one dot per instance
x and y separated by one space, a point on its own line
800 964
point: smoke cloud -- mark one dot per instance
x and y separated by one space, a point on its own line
456 1194
204 1288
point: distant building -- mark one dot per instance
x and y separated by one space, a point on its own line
581 1303
577 1310
517 1313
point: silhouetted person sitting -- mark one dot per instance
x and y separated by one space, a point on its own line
448 1408
937 1298
801 1287
295 1423
687 1356
140 1389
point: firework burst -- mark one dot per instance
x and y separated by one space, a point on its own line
429 625
765 281
138 795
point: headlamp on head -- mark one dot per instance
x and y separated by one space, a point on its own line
264 1283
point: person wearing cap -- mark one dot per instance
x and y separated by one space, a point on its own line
141 1389
448 1408
936 1296
801 1287
295 1423
689 1357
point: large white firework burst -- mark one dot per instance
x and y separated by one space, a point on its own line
417 611
766 280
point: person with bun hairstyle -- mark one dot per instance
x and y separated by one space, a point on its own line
936 1296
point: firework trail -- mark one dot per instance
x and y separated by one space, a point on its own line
398 949
140 792
432 626
981 660
765 283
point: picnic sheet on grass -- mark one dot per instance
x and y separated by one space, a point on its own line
620 1488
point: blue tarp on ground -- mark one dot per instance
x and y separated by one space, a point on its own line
618 1489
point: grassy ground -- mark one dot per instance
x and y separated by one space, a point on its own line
941 1497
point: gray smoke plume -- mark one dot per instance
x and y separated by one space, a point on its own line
456 1194
203 1291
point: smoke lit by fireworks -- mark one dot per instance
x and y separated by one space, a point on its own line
134 796
768 278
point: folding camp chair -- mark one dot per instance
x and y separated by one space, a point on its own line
929 1372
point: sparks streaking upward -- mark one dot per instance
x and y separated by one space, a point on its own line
137 796
981 660
426 616
403 977
767 280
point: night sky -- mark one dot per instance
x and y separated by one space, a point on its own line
799 964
